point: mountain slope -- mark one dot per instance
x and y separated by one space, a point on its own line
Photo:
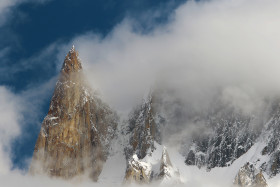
230 134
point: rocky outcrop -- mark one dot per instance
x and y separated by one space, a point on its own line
167 172
155 167
138 171
76 133
144 132
249 176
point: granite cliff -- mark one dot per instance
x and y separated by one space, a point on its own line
77 131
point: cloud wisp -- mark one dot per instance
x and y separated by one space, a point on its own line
7 5
10 115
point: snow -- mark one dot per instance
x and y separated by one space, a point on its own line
114 170
94 128
221 176
72 49
52 118
274 182
147 167
154 158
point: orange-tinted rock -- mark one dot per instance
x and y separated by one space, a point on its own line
249 176
138 172
76 133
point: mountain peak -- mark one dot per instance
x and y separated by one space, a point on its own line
72 49
72 62
77 131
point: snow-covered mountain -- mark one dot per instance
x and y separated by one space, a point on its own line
230 135
235 137
82 136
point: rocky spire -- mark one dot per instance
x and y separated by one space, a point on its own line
167 171
165 159
76 133
72 62
138 171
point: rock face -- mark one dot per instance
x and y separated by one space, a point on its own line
76 133
138 171
168 173
165 164
144 132
155 167
144 129
249 176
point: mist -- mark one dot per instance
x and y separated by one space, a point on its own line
207 50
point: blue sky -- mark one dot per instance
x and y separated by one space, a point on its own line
29 28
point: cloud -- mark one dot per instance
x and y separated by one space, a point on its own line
7 5
205 46
10 115
18 114
207 51
19 118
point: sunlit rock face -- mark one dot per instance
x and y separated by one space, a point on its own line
249 176
138 171
156 167
77 131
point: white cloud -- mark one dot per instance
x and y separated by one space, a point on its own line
10 115
7 5
205 46
17 112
